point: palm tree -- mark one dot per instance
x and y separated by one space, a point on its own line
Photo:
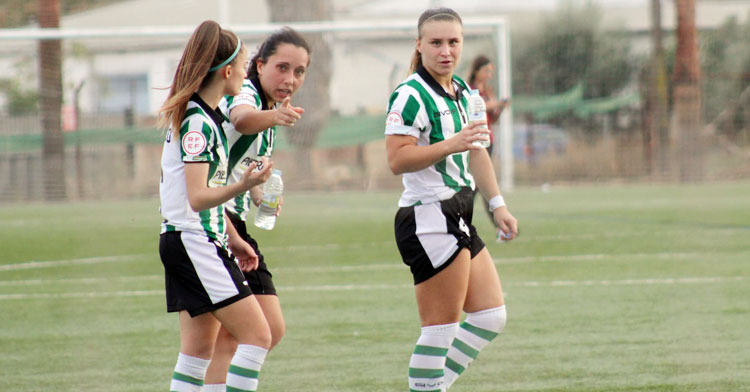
315 96
656 127
50 92
687 116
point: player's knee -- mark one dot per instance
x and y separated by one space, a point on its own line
501 319
490 319
277 333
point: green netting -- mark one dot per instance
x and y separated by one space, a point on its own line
548 106
339 132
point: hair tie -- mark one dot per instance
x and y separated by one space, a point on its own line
229 60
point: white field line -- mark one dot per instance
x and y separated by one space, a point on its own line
378 266
368 287
59 263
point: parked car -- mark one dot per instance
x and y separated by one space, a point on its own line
531 140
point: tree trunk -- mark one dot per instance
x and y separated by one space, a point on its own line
687 116
656 135
314 96
50 92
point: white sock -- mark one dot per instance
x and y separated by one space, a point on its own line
428 360
214 388
245 368
189 373
474 334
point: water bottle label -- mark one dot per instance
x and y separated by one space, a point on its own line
271 201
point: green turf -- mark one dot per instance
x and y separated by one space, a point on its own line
609 288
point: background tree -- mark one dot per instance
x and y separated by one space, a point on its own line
315 95
725 63
656 103
50 90
687 119
572 48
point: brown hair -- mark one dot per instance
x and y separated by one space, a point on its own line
268 48
193 71
479 62
439 13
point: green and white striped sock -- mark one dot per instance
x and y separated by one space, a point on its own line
428 360
189 373
474 334
245 368
214 388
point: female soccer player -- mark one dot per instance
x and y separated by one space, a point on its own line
203 282
275 74
430 142
480 74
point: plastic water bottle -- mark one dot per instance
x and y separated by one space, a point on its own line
478 112
265 218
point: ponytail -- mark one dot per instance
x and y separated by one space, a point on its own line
195 69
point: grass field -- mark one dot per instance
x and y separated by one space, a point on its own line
609 288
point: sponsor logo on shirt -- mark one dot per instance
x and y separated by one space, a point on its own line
248 160
447 112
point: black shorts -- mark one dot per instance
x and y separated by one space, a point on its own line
260 280
200 275
430 236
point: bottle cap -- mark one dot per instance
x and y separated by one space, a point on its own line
474 92
276 172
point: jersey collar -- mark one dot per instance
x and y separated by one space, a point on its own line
263 102
215 114
436 87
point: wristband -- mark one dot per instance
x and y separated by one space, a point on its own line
496 202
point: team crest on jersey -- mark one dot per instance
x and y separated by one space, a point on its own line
194 143
394 118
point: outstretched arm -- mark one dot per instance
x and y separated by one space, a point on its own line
248 121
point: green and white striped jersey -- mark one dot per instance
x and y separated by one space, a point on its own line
421 108
201 140
245 149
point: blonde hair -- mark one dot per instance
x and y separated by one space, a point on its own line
194 70
432 14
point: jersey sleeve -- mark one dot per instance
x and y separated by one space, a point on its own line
406 113
196 137
247 96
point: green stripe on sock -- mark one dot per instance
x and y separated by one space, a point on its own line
242 372
425 373
429 350
482 333
453 365
465 348
187 379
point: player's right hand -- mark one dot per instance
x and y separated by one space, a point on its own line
464 139
287 114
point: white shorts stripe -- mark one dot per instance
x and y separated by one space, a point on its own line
211 271
432 231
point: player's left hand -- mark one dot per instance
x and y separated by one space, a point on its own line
506 222
244 253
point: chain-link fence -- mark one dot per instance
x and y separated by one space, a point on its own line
583 107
